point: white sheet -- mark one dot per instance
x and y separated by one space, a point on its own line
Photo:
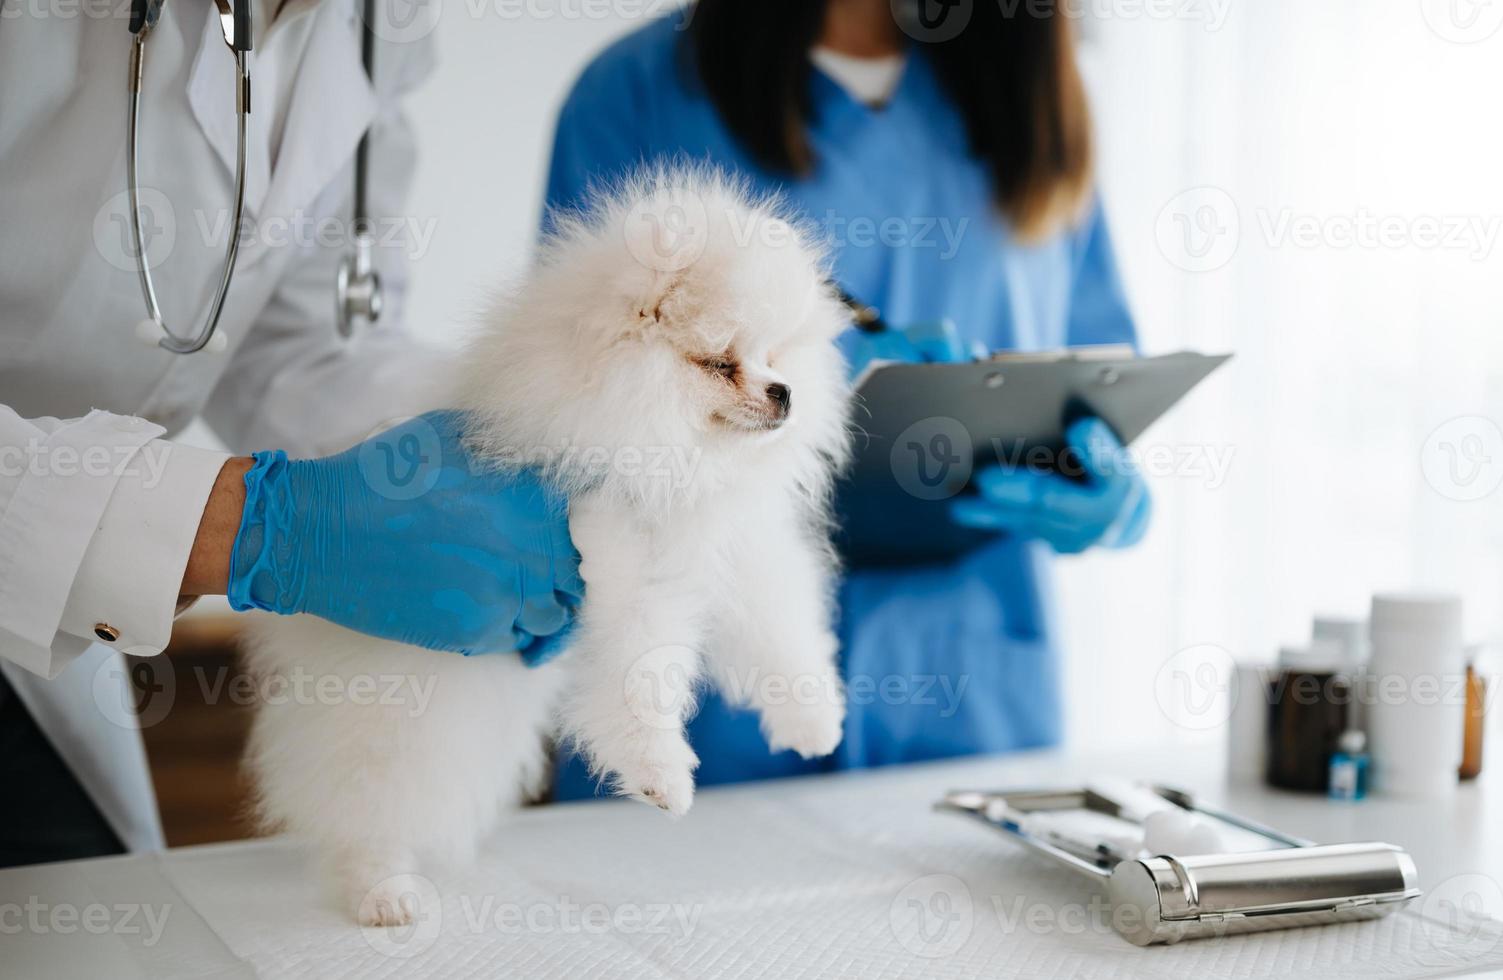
816 879
805 880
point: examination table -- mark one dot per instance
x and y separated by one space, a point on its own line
849 875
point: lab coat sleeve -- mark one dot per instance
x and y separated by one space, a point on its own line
97 518
1098 304
293 383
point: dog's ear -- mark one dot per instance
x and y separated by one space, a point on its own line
655 306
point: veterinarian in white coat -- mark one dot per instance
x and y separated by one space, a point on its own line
98 512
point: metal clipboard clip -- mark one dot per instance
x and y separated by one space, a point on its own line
1165 898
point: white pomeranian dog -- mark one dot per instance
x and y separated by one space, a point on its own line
670 365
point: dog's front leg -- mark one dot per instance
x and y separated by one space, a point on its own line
773 649
635 659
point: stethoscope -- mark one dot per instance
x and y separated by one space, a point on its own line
357 286
867 319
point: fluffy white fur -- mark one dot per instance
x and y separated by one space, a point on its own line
636 367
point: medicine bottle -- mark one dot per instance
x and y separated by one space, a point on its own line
1476 723
1311 705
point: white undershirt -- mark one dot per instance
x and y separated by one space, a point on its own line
868 80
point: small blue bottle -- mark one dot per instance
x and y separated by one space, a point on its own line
1349 767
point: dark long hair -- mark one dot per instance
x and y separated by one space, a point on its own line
1010 69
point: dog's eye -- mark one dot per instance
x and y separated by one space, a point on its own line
720 364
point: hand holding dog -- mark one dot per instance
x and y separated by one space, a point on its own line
407 538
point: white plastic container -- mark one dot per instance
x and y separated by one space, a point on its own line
1350 636
1247 728
1415 694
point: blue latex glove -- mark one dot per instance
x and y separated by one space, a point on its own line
402 537
920 343
1110 507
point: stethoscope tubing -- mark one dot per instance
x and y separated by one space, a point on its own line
357 285
170 340
866 318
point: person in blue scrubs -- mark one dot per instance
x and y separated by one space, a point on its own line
964 195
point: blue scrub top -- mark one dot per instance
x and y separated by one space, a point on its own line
938 661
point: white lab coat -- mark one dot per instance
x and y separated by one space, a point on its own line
85 542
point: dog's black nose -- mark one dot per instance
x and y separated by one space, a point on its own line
781 396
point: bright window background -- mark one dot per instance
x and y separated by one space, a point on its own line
1286 181
1356 348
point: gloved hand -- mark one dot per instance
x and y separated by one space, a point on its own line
920 343
405 538
1110 507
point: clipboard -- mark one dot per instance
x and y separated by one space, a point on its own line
922 429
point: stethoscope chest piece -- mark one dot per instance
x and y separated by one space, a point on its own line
357 288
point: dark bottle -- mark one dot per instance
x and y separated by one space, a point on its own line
1310 706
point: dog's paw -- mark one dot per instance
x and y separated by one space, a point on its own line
811 730
660 772
395 901
670 790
